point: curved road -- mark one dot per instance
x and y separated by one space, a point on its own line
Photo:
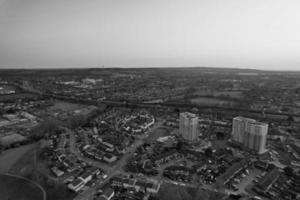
28 180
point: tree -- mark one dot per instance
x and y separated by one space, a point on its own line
290 119
208 152
77 120
220 135
1 148
179 145
44 129
288 171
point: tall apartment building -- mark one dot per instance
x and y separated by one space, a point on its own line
188 126
250 133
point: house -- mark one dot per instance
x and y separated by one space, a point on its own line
140 186
86 177
76 185
152 187
165 157
267 181
233 170
73 168
57 171
129 183
295 150
108 194
95 171
117 181
109 158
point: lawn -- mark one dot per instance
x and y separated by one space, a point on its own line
219 144
232 94
10 157
13 97
156 133
65 106
210 101
175 192
13 188
24 166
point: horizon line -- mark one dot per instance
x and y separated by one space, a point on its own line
133 67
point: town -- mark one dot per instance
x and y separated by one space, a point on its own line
156 134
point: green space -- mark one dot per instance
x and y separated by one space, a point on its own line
11 139
13 97
64 106
25 166
14 188
211 101
10 157
230 94
157 133
175 192
219 144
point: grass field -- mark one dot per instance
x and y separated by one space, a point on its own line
10 157
13 97
211 101
232 94
23 165
219 144
65 106
175 192
155 134
13 188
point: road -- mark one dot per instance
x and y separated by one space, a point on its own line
29 181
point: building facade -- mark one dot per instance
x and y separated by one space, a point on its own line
250 133
188 126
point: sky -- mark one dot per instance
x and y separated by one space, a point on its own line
259 34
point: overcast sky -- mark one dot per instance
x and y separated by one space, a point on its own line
263 34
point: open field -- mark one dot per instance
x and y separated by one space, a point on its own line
64 106
231 94
20 162
211 101
24 166
156 133
219 144
15 188
10 157
13 97
175 192
10 139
